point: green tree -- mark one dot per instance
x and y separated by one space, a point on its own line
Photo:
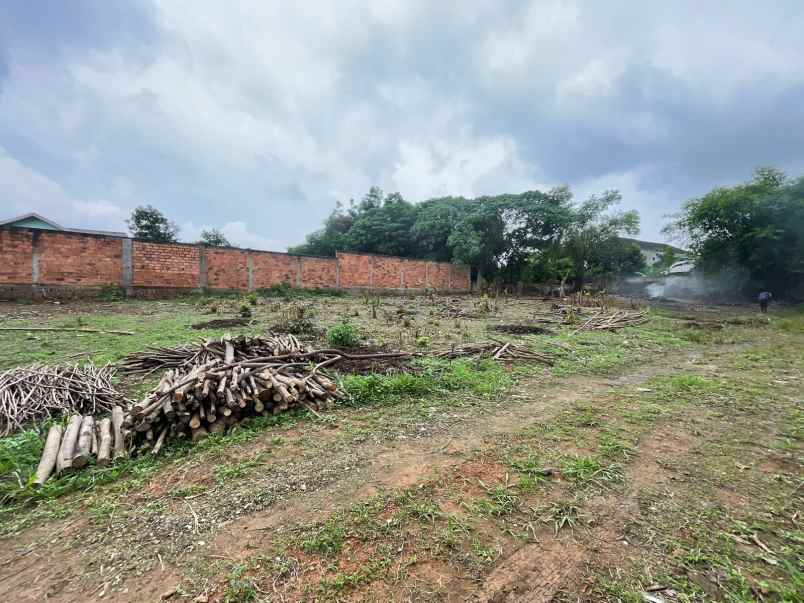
754 230
214 238
383 226
435 221
147 222
592 227
615 257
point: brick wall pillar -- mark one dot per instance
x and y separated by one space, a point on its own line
128 266
36 255
202 268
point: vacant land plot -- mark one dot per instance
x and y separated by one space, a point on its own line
659 462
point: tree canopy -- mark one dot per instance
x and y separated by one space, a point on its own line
214 238
147 222
513 237
754 231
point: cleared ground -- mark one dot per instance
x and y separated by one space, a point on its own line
663 460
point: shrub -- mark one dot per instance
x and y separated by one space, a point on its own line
345 334
251 298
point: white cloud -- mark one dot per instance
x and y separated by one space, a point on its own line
467 167
654 205
236 233
26 190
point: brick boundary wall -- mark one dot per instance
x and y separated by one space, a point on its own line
56 265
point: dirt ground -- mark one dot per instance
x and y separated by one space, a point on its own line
655 463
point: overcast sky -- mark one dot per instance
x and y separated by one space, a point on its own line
255 117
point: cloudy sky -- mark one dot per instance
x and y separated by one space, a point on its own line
255 117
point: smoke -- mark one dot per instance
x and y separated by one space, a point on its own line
692 287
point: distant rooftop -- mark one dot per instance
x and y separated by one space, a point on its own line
653 246
34 220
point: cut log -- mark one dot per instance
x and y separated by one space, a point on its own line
105 441
65 457
195 422
83 450
117 427
49 455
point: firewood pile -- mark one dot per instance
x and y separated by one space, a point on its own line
495 350
157 359
609 321
210 396
215 384
38 392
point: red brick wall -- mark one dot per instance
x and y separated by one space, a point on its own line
319 272
387 272
165 265
439 275
16 256
461 278
74 259
355 270
274 269
87 260
226 268
415 274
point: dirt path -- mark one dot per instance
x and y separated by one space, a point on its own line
79 559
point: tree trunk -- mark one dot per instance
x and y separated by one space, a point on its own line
84 449
49 456
105 443
117 424
65 456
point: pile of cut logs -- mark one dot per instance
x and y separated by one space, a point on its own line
71 447
210 397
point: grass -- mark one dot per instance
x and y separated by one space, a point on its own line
481 378
584 470
154 327
735 405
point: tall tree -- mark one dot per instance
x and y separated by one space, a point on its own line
592 227
753 231
214 238
147 222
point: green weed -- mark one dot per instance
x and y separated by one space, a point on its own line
344 335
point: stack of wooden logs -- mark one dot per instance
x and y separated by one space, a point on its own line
157 359
211 396
72 447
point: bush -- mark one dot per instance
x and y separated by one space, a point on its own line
345 334
252 299
297 319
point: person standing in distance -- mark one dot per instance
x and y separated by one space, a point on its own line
765 298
